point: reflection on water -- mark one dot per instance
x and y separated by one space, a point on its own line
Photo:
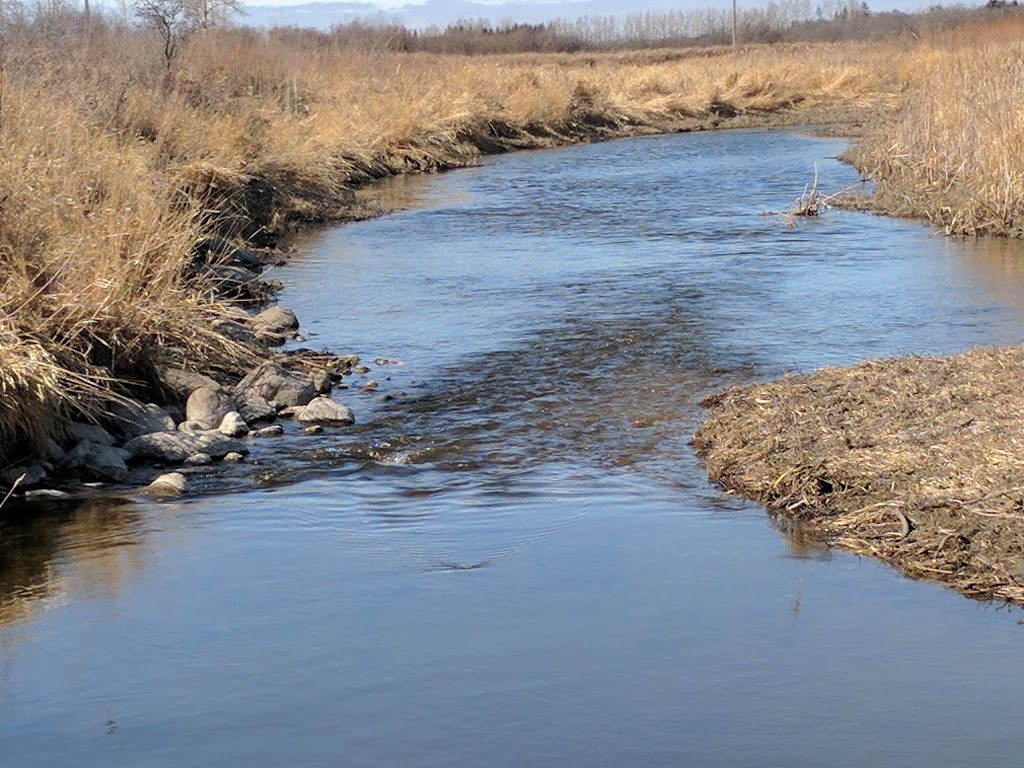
514 558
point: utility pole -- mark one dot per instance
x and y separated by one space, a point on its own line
733 23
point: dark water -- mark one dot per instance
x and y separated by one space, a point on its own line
514 559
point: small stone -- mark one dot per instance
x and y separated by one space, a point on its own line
199 460
191 425
370 386
233 457
323 410
361 369
171 484
272 431
381 361
316 429
233 425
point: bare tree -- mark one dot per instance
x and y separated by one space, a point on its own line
212 13
171 22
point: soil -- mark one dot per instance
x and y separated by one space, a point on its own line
916 461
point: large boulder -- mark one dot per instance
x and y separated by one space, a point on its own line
28 475
183 383
278 320
98 462
175 447
276 385
132 418
209 406
253 408
323 410
80 433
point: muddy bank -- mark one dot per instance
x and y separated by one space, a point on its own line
916 461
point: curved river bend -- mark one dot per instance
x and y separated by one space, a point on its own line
514 559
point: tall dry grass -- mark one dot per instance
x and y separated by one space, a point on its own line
111 167
955 152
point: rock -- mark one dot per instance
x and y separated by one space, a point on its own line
370 386
45 494
233 330
270 339
53 452
272 431
33 475
253 408
183 383
80 433
192 426
233 456
323 410
316 429
199 460
276 385
219 446
171 484
278 320
178 446
233 425
321 380
132 418
235 281
209 407
97 462
361 369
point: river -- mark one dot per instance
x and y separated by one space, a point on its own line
514 558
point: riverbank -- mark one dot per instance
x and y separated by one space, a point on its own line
916 461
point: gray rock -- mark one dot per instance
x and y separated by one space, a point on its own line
233 425
45 494
53 452
33 475
209 407
233 456
254 408
316 429
233 330
171 484
199 460
323 410
279 320
272 431
103 463
277 386
370 386
132 418
191 426
183 383
178 446
79 433
270 339
321 381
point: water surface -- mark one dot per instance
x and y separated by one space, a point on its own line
514 558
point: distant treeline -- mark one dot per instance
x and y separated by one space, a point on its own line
785 21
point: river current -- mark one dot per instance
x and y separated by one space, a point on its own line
514 558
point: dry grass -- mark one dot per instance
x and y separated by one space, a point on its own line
917 461
955 153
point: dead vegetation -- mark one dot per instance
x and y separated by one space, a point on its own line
917 461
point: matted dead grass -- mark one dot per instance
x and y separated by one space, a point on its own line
918 461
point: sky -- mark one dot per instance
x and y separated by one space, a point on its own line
420 13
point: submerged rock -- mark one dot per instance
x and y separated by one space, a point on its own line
233 457
272 431
171 484
323 410
178 446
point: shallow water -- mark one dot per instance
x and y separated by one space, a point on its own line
516 559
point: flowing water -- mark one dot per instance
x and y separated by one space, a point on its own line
514 558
